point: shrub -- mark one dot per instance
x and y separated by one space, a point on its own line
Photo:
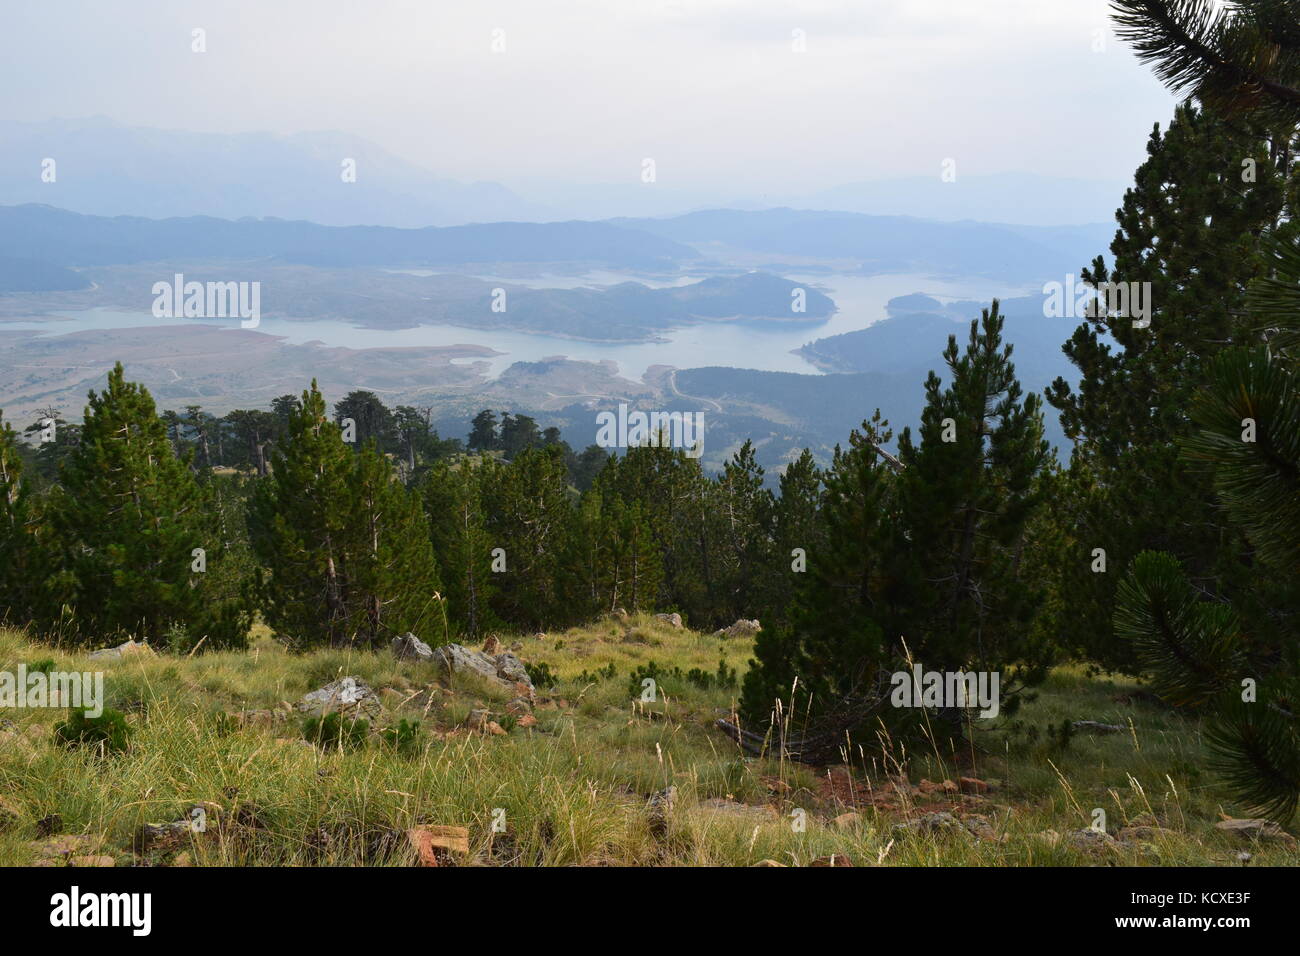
334 731
109 731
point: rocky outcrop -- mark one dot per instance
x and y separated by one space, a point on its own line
408 647
347 696
742 628
129 649
502 670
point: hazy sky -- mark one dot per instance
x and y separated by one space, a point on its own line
713 90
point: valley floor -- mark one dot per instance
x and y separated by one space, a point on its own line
583 776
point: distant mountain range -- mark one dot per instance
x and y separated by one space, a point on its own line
53 241
874 245
105 168
59 238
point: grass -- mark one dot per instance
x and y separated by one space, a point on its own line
574 788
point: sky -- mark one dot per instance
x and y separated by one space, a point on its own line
759 95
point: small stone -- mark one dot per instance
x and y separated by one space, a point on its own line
673 620
768 863
495 729
972 785
527 720
1254 829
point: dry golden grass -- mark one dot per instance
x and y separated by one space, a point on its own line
574 788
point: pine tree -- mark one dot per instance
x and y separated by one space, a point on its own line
833 646
21 528
299 522
923 553
966 492
1236 656
1190 228
452 500
530 518
130 517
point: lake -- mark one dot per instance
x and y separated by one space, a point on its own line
765 346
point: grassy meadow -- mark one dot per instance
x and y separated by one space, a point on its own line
575 781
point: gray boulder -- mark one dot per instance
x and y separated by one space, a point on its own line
503 670
348 696
408 647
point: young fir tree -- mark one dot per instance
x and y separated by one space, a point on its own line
393 581
797 532
529 517
22 571
743 513
131 518
966 492
926 549
833 645
453 504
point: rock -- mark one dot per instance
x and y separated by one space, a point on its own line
519 706
659 808
768 863
1050 837
437 845
495 729
478 719
512 669
503 670
835 859
129 649
973 785
1256 830
408 647
10 815
168 837
1089 839
348 696
91 861
527 720
742 628
673 619
1143 834
55 851
847 821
